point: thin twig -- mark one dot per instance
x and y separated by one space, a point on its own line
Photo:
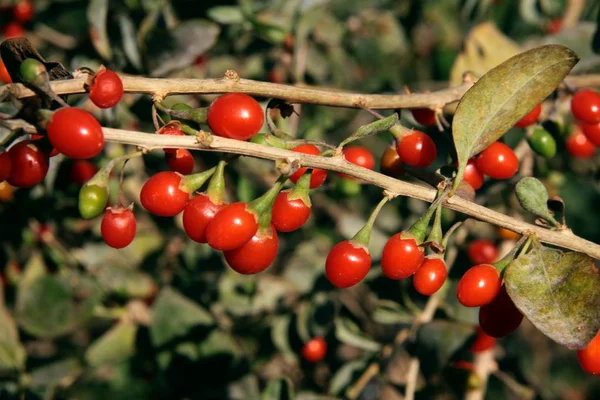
565 239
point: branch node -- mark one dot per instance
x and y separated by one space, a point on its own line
232 75
204 139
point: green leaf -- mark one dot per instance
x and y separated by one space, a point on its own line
533 197
504 95
381 125
226 15
174 316
558 292
129 40
97 12
346 376
389 312
278 389
116 345
50 306
12 352
280 333
437 342
346 331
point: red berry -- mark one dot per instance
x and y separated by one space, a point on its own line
231 227
4 75
13 30
473 176
317 176
430 276
592 132
424 116
289 215
82 171
29 164
347 264
235 116
554 26
198 212
314 350
107 89
482 342
24 11
161 194
360 156
500 317
478 286
181 161
401 257
530 118
498 161
169 130
75 133
417 150
5 166
255 255
585 105
482 252
579 146
118 227
390 163
589 358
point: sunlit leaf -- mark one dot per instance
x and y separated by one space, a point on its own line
346 331
504 95
558 292
117 344
97 12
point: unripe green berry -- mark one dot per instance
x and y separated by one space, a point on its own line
92 201
31 70
348 187
542 142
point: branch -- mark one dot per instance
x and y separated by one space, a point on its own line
565 239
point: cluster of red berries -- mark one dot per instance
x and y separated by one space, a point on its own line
585 107
21 13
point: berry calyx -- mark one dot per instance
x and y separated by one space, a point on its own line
235 116
256 255
482 342
181 161
531 118
82 171
498 161
118 227
424 116
417 149
500 317
231 227
482 251
347 264
589 358
92 200
75 133
5 166
390 163
106 89
585 105
167 193
578 145
478 286
401 256
542 142
317 176
472 175
314 350
430 276
29 164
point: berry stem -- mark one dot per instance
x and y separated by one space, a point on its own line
302 189
363 236
436 230
419 228
263 203
520 247
191 183
216 186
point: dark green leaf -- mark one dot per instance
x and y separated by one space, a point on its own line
437 341
174 316
12 352
50 306
558 292
51 375
278 389
129 41
116 345
504 95
97 12
346 331
381 125
533 197
390 312
346 376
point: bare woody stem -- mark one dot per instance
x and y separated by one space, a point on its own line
565 239
293 94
